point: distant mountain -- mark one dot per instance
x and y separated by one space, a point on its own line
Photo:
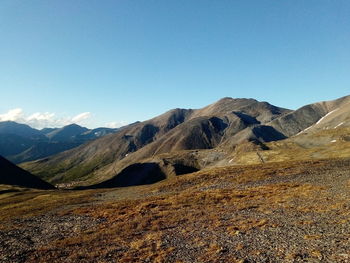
11 174
20 142
11 144
23 130
66 133
41 150
95 133
45 131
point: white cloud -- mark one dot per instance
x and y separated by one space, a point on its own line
41 116
115 124
12 115
41 120
81 117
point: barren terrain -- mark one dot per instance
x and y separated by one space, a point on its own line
277 212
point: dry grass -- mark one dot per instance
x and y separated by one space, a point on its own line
192 213
137 227
19 203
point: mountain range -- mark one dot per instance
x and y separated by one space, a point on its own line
236 181
229 131
20 142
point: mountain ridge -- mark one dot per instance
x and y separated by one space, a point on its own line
212 133
175 130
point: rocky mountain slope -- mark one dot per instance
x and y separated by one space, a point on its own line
226 121
321 115
11 174
193 139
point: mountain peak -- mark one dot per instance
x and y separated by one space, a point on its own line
66 133
73 125
24 130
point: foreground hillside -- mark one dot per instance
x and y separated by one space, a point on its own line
275 212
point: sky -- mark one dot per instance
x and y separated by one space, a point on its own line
113 62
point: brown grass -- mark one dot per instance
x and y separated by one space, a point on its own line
29 202
137 225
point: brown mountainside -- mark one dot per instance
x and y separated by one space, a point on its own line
192 139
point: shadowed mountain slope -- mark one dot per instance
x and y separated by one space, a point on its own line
11 174
12 144
135 174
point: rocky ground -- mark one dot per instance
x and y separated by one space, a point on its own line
31 233
277 212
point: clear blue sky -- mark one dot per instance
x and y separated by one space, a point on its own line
128 60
